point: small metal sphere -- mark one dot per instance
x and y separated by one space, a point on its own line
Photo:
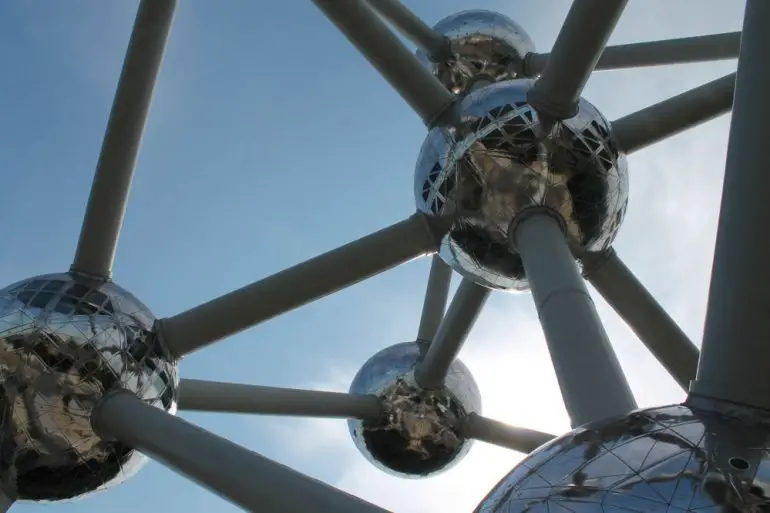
497 162
415 437
662 460
486 46
65 341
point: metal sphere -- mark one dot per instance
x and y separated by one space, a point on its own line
662 460
415 437
487 47
497 162
64 342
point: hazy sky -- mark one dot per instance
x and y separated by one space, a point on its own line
271 140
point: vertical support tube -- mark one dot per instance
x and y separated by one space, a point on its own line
245 478
436 294
590 377
736 339
115 169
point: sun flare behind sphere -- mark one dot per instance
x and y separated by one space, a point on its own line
415 437
64 342
661 460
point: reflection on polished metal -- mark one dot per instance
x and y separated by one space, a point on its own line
737 328
591 380
496 164
523 181
661 460
416 436
64 342
487 47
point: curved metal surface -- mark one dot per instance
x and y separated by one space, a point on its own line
661 460
497 163
64 342
486 47
416 436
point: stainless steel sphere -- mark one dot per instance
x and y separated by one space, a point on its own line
415 437
662 460
64 342
487 47
496 162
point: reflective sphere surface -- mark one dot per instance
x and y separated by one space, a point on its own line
415 437
673 459
496 163
64 342
487 47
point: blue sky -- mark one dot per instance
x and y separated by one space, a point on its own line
271 140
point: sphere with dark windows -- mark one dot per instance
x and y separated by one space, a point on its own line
65 341
486 47
500 160
416 435
662 460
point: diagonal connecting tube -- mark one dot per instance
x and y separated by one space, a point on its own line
452 333
293 287
372 37
243 477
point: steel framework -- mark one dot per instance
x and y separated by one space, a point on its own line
737 325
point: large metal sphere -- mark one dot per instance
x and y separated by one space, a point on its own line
64 342
487 47
415 437
663 460
496 163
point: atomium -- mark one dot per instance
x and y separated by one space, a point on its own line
497 162
675 458
64 342
88 376
416 434
486 47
